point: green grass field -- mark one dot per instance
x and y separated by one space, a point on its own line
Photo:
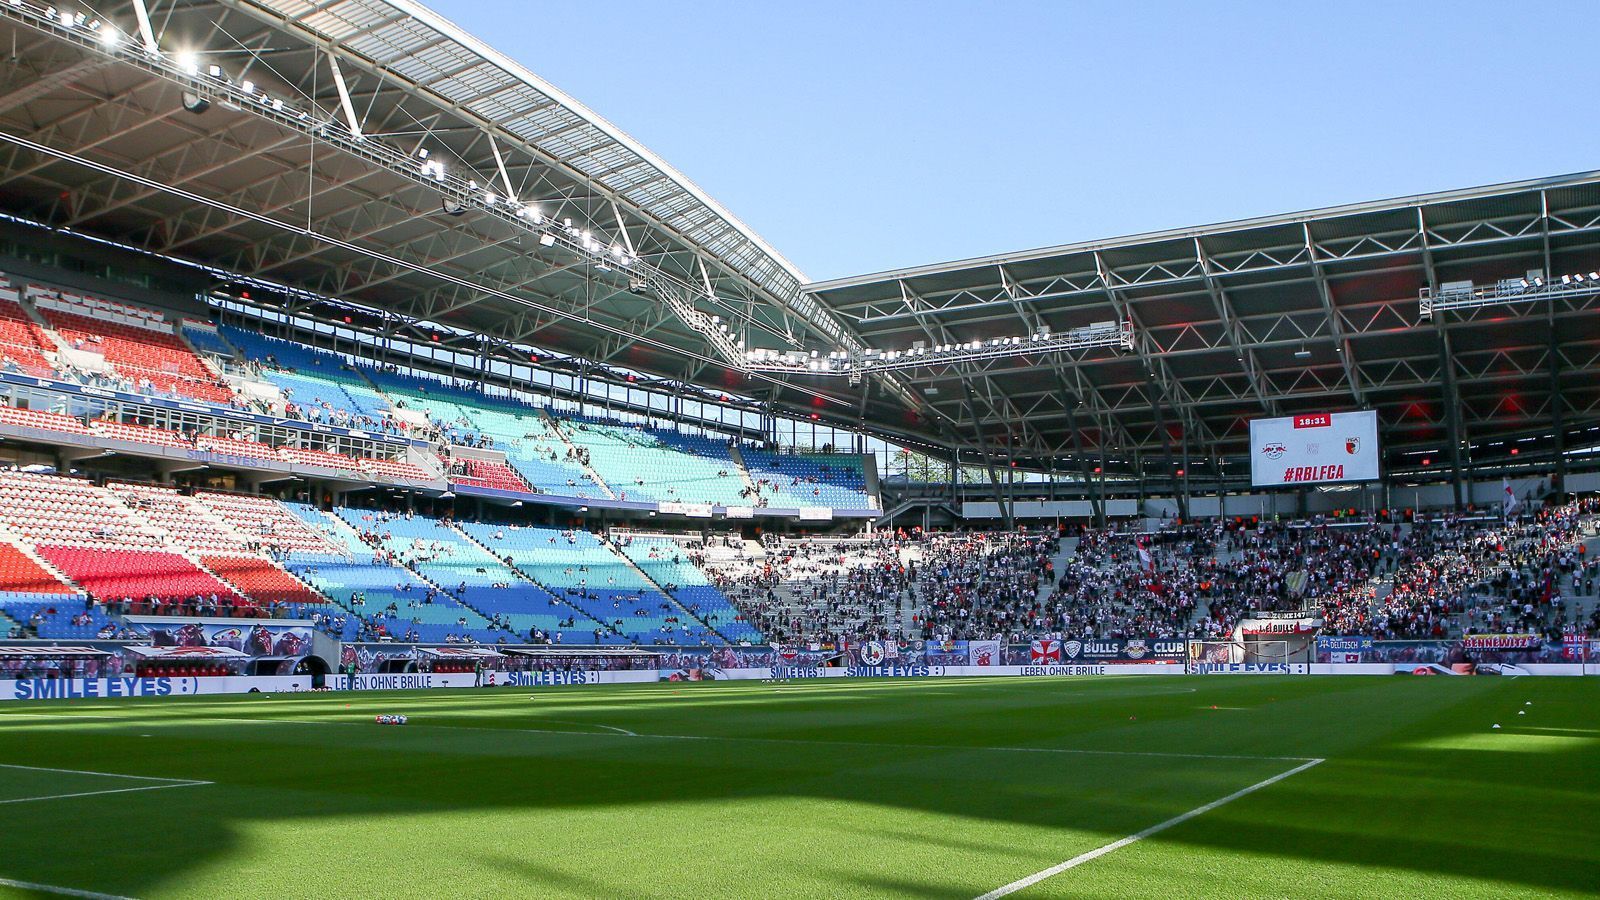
838 788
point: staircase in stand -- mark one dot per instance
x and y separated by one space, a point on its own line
660 588
550 423
744 470
524 576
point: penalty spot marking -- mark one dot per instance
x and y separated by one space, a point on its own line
166 783
1114 846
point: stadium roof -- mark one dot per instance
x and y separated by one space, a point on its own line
293 142
299 160
1312 311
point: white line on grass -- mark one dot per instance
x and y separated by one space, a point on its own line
613 728
1082 858
63 891
149 787
168 784
883 745
102 774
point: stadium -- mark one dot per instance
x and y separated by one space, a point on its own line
412 485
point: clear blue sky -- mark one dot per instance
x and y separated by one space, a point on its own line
861 136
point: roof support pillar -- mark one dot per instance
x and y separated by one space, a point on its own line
1000 498
1172 463
349 108
1558 479
1452 402
1097 503
147 34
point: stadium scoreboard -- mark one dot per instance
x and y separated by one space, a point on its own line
1314 448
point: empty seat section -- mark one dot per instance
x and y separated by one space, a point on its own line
586 574
227 446
47 421
272 525
810 479
446 405
112 574
473 576
53 509
323 458
666 562
20 574
489 474
203 337
314 376
138 433
536 451
264 582
391 597
640 463
187 522
135 342
311 397
21 342
397 468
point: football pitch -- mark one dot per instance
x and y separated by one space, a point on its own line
1038 787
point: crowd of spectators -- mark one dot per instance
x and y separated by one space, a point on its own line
1430 579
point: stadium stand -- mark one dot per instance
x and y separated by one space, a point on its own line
57 616
586 573
205 338
318 386
51 509
489 474
22 344
225 552
22 574
87 551
232 446
640 463
572 456
270 524
137 343
795 479
143 579
536 451
394 601
42 420
463 571
669 565
139 434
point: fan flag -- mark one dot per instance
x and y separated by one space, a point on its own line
1045 652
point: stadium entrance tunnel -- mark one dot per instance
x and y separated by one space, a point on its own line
315 667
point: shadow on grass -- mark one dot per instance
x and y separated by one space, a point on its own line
1381 802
